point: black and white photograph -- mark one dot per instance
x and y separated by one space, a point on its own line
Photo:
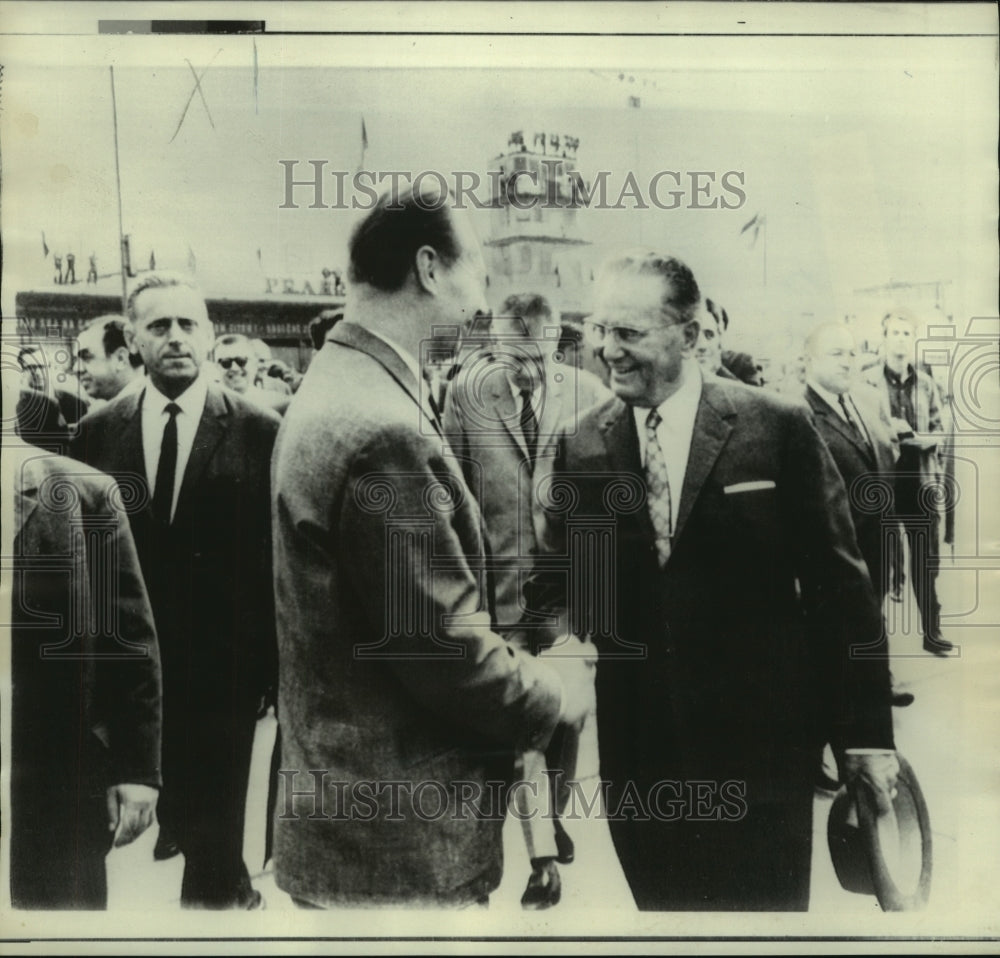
487 477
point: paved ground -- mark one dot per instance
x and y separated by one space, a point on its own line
949 735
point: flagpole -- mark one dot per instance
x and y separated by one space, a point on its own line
118 185
765 252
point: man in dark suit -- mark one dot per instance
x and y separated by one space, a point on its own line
500 417
861 443
713 321
724 597
85 676
103 362
203 536
400 708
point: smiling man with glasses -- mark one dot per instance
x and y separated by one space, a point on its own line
724 604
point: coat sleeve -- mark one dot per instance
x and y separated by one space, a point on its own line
410 537
844 621
128 686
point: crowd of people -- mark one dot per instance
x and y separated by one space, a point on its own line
435 555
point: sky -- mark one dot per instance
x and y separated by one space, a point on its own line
871 161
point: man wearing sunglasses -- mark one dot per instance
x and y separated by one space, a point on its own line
238 365
724 604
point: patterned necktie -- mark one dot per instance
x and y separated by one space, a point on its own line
658 488
529 424
163 491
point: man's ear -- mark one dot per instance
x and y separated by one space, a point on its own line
426 268
121 355
691 329
129 334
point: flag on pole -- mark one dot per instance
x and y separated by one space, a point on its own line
756 224
364 145
45 246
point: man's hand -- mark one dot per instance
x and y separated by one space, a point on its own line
878 770
130 811
575 662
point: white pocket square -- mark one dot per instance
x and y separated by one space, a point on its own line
748 486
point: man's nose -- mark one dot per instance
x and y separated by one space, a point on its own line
610 348
175 333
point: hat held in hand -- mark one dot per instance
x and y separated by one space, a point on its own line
888 856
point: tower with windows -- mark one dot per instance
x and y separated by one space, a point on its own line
534 241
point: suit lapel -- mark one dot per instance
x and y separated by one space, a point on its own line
505 409
881 444
553 414
624 457
19 464
357 337
133 459
822 408
211 428
712 426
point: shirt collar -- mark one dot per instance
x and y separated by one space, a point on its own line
191 401
895 378
831 399
407 357
680 405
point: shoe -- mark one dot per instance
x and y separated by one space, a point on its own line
902 699
564 845
937 645
826 783
544 887
165 848
257 902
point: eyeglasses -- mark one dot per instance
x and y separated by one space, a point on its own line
227 363
626 335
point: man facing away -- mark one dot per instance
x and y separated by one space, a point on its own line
85 678
713 563
202 529
401 709
501 414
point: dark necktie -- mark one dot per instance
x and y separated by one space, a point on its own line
529 424
851 421
163 491
658 488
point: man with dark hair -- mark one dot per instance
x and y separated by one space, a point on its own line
103 362
914 402
716 361
392 679
202 530
713 563
501 413
713 321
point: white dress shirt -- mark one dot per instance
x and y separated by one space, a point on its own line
536 399
833 400
154 421
676 428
